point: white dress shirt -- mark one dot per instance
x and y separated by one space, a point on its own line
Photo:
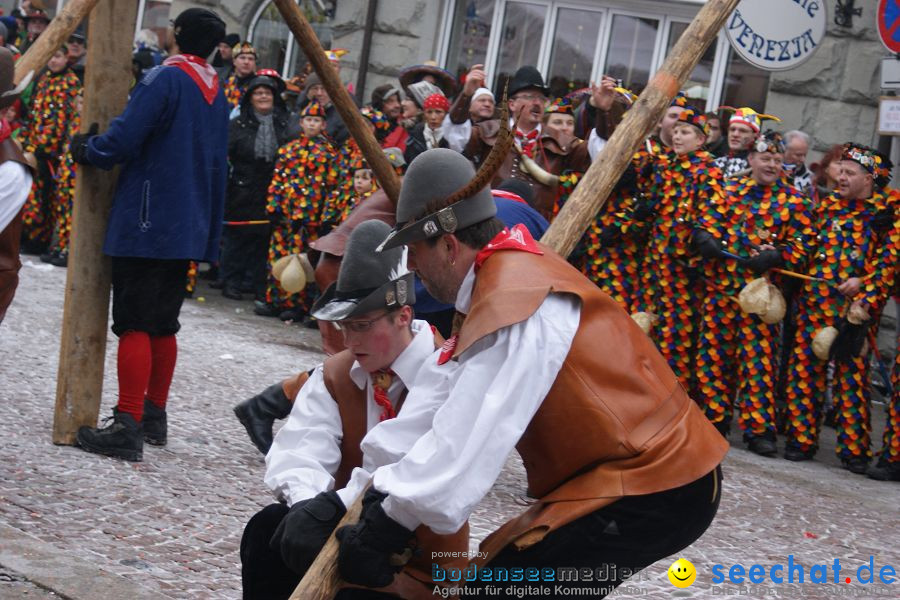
15 183
485 402
306 452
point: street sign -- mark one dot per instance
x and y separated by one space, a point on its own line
776 34
889 115
888 18
890 73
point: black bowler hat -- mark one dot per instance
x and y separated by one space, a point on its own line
526 77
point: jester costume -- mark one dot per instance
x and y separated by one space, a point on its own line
46 135
304 176
849 244
235 87
668 285
65 191
736 354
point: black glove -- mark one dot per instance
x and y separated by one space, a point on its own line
849 341
705 244
364 557
305 529
764 261
644 208
883 221
78 145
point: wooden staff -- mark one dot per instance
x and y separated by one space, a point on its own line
107 77
52 39
344 104
600 179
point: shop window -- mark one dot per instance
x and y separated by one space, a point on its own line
745 85
574 46
696 88
520 42
630 54
270 36
471 32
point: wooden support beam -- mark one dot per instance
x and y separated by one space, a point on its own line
52 39
600 179
83 345
339 95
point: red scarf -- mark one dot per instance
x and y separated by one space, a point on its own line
517 238
508 196
200 73
527 141
381 382
5 130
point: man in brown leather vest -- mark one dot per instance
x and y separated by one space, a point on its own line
624 466
538 155
15 182
343 423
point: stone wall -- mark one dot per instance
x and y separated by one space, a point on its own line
834 95
405 33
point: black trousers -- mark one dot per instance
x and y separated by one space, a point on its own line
631 533
264 576
245 250
147 294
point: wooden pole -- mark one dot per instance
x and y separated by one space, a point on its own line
54 36
600 179
83 344
344 104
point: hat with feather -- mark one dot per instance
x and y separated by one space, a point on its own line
368 280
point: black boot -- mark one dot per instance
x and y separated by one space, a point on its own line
763 444
856 464
258 413
155 426
123 438
884 470
796 454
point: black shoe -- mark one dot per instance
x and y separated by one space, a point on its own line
47 257
218 284
723 427
795 454
123 438
60 260
884 470
155 426
762 445
258 414
310 323
856 464
266 310
292 314
232 293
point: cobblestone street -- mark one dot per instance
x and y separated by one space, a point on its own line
170 526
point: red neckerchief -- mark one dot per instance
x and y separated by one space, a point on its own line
200 73
527 141
381 382
517 238
508 196
5 130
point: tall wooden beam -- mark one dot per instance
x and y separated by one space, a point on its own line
53 37
600 179
339 95
85 313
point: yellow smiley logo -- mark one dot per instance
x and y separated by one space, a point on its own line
682 573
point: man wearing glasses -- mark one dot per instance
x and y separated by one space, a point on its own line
342 425
539 156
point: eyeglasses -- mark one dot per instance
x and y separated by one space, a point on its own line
358 326
529 97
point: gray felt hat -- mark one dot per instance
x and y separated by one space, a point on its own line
368 280
438 175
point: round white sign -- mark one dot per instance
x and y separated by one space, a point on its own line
776 34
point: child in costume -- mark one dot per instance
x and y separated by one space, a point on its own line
45 135
305 175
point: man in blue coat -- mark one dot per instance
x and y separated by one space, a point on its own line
171 142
